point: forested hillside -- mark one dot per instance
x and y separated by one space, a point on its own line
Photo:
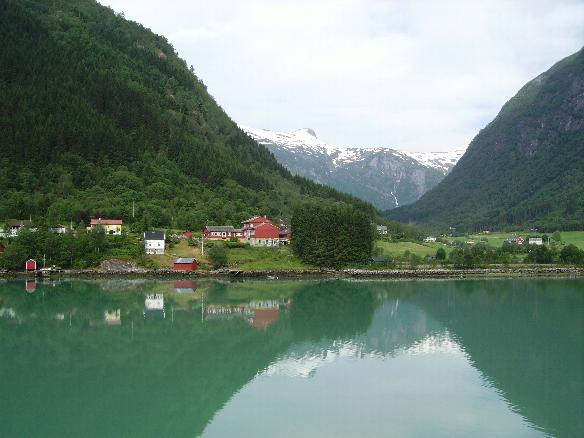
97 113
526 168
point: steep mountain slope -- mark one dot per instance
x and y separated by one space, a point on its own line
98 113
526 168
385 177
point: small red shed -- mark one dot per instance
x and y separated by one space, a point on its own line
30 265
186 264
187 234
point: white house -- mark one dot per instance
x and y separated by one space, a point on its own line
430 239
382 229
535 241
154 242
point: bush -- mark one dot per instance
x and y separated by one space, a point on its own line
218 256
441 254
572 255
540 254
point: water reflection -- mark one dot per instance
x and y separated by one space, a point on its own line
440 358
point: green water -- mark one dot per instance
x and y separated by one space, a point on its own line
492 358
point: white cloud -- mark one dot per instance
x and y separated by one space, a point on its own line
418 75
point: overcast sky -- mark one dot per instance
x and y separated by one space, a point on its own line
415 75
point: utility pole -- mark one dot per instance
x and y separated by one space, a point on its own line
202 245
133 210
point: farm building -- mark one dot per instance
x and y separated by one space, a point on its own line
535 241
111 226
30 265
154 242
186 264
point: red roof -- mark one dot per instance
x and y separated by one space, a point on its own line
258 220
267 230
106 221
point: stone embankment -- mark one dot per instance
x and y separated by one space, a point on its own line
121 268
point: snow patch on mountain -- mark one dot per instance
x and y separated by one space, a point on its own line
306 141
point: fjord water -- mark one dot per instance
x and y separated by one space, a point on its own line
292 358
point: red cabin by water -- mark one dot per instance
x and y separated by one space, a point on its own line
30 265
186 264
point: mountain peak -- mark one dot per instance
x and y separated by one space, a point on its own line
308 131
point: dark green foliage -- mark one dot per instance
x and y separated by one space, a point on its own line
540 254
218 256
331 235
82 249
572 255
440 254
478 255
99 116
526 168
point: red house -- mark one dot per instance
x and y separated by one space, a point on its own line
222 232
30 265
186 264
260 231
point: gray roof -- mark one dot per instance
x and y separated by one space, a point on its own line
185 260
154 235
223 228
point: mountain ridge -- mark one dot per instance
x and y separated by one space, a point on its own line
524 169
383 176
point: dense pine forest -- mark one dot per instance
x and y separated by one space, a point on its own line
525 169
99 116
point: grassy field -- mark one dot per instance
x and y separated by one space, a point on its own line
497 239
394 249
254 259
181 249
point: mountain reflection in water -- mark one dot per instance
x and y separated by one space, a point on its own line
292 358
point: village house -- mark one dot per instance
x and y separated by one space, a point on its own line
430 239
285 236
111 226
260 231
186 264
223 232
535 241
382 230
59 229
516 240
154 242
16 226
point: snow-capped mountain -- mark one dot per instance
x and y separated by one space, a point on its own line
383 176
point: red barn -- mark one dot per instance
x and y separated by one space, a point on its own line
30 265
186 264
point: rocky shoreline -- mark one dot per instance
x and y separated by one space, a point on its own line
420 273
